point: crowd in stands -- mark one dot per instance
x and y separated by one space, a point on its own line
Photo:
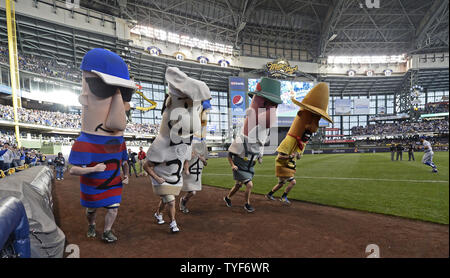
7 136
142 128
64 120
43 66
401 128
432 108
40 117
12 157
438 140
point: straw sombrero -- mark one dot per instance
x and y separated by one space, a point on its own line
316 101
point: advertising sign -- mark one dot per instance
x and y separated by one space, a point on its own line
281 67
237 100
361 106
287 111
343 106
237 84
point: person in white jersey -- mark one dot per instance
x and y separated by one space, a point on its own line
427 158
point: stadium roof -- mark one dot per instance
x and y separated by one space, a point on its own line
431 79
319 27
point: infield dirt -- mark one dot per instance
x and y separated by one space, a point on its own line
213 230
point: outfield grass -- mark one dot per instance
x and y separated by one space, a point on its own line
368 182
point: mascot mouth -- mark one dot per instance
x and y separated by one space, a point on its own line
306 136
105 130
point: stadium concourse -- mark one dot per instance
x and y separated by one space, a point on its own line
383 65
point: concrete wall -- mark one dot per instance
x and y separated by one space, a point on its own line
81 18
428 61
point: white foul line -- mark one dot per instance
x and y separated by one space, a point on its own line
340 178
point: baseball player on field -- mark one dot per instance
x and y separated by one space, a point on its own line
427 158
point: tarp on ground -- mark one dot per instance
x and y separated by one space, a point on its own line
33 187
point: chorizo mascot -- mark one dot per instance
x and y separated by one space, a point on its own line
313 107
192 174
172 147
248 147
99 152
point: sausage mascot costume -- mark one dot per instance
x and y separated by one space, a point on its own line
313 107
249 145
99 152
172 147
192 174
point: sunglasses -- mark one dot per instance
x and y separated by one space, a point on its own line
103 90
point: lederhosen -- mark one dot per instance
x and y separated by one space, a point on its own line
245 165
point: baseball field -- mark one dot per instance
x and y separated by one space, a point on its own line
333 217
362 181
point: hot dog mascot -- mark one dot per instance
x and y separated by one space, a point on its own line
192 174
99 152
249 145
172 147
313 107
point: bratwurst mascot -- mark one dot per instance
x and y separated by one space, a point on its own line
100 151
192 174
313 107
172 147
248 146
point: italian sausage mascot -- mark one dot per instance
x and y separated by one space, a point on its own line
99 152
313 107
172 147
248 147
192 174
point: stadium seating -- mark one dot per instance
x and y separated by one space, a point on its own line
403 128
63 120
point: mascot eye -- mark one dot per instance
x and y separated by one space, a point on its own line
186 105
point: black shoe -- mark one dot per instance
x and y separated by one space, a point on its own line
227 201
109 237
249 208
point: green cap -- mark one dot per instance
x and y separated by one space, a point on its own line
269 89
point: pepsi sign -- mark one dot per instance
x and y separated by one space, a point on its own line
237 102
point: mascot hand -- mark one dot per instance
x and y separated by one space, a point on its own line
99 167
125 180
260 160
160 180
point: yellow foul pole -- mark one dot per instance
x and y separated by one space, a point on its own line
13 64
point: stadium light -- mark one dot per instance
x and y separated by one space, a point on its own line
332 37
64 97
366 59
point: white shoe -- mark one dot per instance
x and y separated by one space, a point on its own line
159 218
173 227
